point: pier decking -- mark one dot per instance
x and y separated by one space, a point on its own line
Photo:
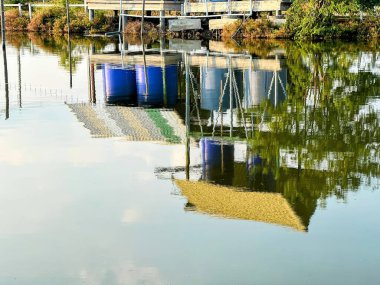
187 7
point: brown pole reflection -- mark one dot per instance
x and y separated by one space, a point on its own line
19 77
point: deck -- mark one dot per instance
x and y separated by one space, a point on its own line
187 7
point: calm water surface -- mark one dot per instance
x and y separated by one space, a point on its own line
209 165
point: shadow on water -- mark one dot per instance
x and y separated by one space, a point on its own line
276 130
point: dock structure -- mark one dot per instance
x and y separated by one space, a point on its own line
176 10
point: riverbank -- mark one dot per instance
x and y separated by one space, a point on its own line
305 20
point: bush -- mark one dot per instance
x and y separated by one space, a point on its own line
134 27
251 29
13 21
79 23
43 20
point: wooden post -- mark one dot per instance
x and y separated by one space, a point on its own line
20 9
30 11
85 6
2 24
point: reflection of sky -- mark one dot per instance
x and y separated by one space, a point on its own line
78 210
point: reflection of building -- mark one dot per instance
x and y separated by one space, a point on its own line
119 84
131 123
264 85
217 91
149 81
232 203
217 161
162 84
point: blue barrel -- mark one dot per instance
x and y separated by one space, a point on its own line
213 84
119 84
156 96
217 161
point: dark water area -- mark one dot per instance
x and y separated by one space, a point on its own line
188 162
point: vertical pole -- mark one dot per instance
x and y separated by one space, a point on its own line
92 83
91 14
5 78
19 77
187 118
85 6
275 88
162 21
30 11
120 16
68 17
231 98
142 20
70 61
125 20
20 9
206 1
2 24
185 8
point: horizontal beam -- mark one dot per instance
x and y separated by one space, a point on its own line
134 5
236 6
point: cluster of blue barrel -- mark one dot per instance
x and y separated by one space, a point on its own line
251 88
218 163
127 86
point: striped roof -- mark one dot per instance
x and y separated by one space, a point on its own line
132 123
228 202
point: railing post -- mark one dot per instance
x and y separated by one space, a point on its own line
85 6
185 7
206 1
91 14
20 9
30 11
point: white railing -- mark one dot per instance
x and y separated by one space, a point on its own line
32 5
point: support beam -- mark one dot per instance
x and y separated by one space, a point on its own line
91 14
30 11
162 21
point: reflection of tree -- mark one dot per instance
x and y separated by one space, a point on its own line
58 45
325 125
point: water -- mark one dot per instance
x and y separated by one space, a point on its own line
272 179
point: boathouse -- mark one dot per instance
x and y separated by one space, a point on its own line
220 10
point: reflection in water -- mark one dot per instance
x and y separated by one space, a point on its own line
269 138
119 84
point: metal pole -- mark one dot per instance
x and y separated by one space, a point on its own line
6 79
2 24
30 11
70 62
68 16
142 20
187 119
19 77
